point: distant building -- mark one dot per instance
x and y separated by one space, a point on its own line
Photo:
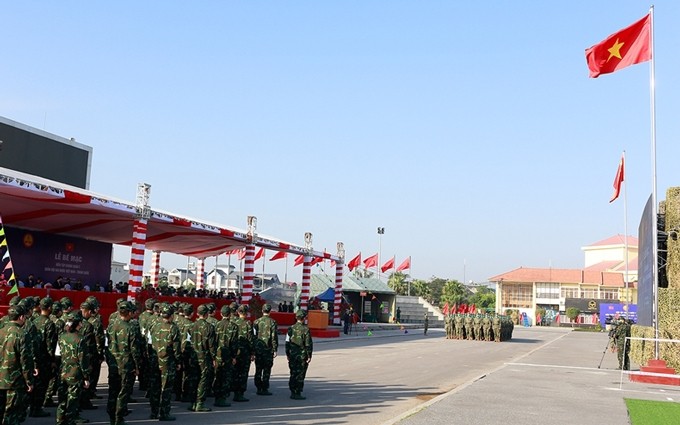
177 277
223 278
120 272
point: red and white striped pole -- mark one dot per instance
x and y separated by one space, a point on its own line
248 273
200 274
337 301
137 258
155 268
306 279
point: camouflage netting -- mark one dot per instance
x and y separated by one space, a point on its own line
669 298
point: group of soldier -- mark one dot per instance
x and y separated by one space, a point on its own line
51 348
478 327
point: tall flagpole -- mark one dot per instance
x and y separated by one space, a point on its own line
625 230
655 247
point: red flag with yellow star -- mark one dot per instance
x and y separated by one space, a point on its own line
627 47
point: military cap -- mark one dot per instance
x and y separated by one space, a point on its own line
300 314
85 305
188 308
94 302
36 300
16 311
120 301
15 300
28 303
266 308
202 309
73 318
56 307
125 307
225 310
177 305
46 303
242 309
233 306
167 310
66 302
212 307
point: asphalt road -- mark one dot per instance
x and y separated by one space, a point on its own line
359 379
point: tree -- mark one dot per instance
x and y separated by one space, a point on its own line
572 313
421 288
453 292
436 286
397 282
361 272
484 298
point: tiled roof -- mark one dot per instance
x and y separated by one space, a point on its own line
616 240
588 277
603 266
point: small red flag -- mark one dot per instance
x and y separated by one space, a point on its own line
405 265
445 310
241 253
279 255
259 254
371 261
354 262
618 179
299 260
627 47
333 263
315 260
388 265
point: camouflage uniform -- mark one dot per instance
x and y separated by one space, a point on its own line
125 360
299 349
74 370
225 346
165 339
458 324
266 346
47 332
486 327
622 346
204 343
243 353
477 325
189 358
468 327
97 357
496 326
53 385
16 367
87 332
146 318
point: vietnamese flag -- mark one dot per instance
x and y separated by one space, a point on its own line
259 254
371 261
315 260
279 255
618 179
299 260
445 310
627 47
388 265
241 254
354 262
405 265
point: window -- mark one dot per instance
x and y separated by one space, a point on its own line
548 290
589 292
570 292
517 295
609 294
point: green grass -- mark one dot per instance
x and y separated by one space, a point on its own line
645 412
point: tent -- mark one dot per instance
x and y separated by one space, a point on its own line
327 296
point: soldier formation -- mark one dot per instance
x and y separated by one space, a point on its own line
49 349
478 327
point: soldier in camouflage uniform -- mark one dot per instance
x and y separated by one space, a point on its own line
32 348
97 357
73 372
486 327
204 343
468 327
496 326
458 326
189 359
53 386
622 346
17 369
125 361
225 345
299 349
145 319
266 347
243 353
47 343
477 325
87 332
165 339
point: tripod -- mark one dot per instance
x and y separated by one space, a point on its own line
606 347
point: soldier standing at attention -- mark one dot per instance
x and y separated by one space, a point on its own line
225 345
426 323
165 339
87 332
266 346
496 325
124 350
486 326
477 323
97 357
189 358
74 372
299 349
468 327
145 319
17 369
204 344
243 353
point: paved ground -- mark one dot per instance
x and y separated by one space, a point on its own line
393 376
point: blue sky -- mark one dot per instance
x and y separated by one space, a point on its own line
469 130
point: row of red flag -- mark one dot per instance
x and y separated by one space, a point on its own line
459 309
371 261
